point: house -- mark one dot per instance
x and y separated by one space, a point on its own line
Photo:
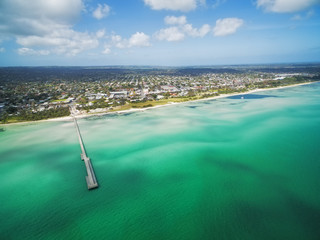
160 97
169 88
122 94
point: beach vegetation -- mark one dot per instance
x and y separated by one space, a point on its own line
26 115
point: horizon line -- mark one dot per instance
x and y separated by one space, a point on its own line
164 66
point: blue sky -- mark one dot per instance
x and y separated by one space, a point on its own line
158 32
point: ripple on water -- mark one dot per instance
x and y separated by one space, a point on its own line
227 168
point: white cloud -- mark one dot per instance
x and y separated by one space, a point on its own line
176 5
285 6
227 26
101 11
116 38
172 20
180 30
2 50
194 32
139 39
119 42
46 24
101 33
217 3
37 16
171 34
61 41
299 17
30 51
106 50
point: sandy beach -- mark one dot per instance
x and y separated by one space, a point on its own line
174 103
70 118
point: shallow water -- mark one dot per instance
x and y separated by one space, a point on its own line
228 168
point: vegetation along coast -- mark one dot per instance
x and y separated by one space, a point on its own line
79 92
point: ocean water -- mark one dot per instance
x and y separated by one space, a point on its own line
230 168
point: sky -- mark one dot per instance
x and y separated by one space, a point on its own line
158 32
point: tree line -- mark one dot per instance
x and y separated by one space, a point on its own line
27 115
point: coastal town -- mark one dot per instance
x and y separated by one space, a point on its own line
28 94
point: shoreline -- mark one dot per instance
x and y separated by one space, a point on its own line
70 118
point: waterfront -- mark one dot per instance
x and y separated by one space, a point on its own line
228 168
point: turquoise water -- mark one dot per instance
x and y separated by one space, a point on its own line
229 168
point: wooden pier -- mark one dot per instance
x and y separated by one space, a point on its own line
91 178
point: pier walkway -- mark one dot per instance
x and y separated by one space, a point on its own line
91 178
